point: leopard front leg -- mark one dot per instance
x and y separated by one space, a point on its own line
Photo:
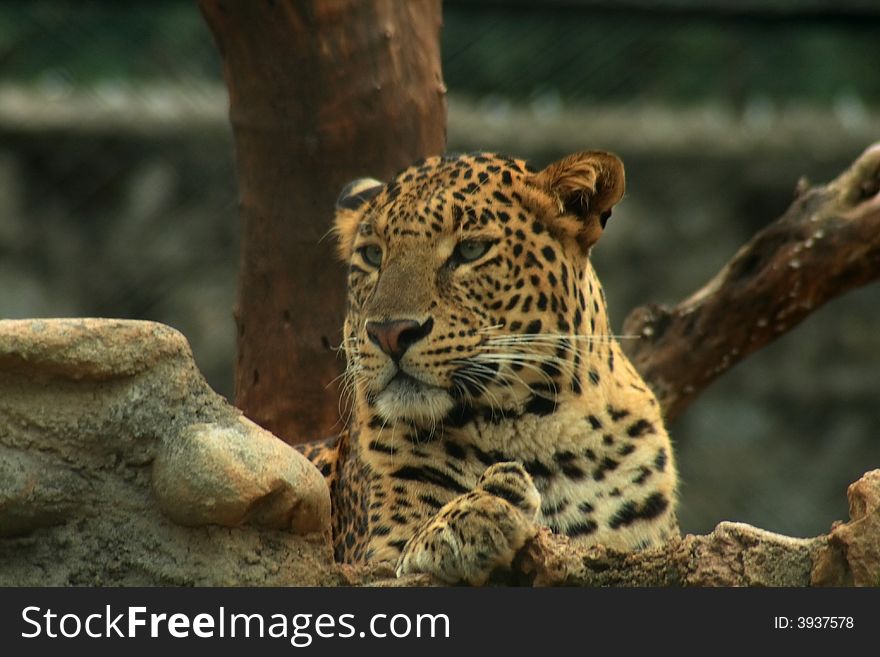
477 532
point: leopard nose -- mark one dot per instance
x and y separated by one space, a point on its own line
396 336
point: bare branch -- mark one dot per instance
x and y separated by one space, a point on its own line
828 242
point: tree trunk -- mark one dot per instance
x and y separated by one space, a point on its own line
320 92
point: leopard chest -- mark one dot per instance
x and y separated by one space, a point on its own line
595 485
600 481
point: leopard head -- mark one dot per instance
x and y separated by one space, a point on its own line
469 282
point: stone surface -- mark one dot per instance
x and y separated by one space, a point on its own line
111 442
852 554
36 491
734 554
236 474
85 349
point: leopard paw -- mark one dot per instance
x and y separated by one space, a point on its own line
476 532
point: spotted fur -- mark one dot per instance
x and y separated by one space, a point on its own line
488 392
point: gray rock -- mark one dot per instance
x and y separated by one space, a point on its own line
236 474
119 465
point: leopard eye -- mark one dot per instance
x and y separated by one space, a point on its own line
469 250
371 254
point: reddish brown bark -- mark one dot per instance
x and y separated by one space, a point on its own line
320 92
827 242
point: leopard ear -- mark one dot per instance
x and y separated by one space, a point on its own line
349 204
358 192
585 186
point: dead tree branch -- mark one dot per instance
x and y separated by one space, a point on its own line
828 242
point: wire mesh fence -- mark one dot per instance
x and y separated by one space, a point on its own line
117 190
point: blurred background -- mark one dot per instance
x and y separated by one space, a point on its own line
118 199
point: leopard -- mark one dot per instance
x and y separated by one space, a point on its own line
487 395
